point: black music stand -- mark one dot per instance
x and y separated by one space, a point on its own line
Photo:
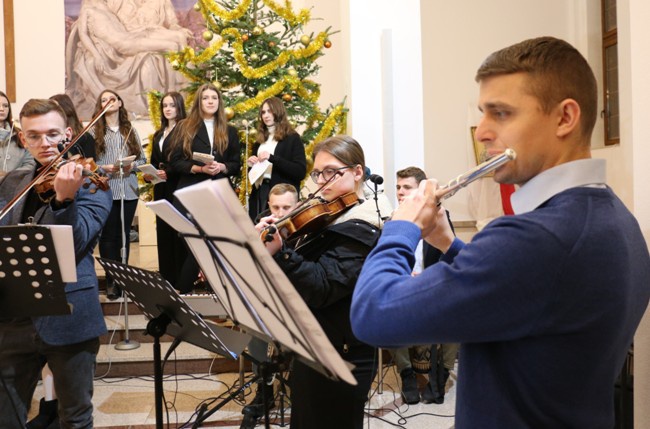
32 282
169 313
253 290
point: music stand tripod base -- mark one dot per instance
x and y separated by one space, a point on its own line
127 343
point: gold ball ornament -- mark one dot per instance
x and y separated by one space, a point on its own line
327 44
229 113
207 35
271 44
287 97
176 65
305 39
244 37
257 31
255 57
196 7
292 72
217 85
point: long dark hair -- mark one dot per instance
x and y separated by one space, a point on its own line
180 112
68 107
9 121
125 126
190 126
282 126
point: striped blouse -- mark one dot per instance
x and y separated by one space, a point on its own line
117 149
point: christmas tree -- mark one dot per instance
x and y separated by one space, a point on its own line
257 49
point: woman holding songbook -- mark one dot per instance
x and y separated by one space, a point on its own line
323 266
204 146
279 151
171 249
119 152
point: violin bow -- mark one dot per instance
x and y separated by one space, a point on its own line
10 205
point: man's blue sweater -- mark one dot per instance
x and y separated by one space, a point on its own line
545 305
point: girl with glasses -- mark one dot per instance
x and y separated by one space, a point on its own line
324 267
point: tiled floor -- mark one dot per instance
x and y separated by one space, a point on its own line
130 403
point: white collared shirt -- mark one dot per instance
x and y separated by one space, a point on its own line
539 189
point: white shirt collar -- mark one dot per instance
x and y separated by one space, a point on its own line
541 188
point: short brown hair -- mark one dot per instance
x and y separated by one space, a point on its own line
38 107
283 188
417 173
556 70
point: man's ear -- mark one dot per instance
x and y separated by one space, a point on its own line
21 139
568 118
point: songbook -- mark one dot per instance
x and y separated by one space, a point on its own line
205 158
257 170
153 172
124 161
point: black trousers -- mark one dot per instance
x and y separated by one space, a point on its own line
318 402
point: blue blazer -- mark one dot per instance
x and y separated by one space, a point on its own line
87 215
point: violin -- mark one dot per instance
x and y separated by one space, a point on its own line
310 217
44 186
46 169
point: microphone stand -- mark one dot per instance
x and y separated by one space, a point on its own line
125 344
247 181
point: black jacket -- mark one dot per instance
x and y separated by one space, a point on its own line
289 161
201 143
324 270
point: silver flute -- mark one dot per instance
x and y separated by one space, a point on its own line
477 172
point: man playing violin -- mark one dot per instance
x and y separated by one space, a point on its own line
68 343
323 267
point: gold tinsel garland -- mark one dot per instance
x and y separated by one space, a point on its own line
286 12
153 100
212 7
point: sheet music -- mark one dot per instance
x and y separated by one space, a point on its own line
64 247
274 301
174 218
152 171
257 170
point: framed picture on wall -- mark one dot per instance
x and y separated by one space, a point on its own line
480 153
121 45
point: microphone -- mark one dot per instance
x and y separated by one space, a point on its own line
374 178
62 145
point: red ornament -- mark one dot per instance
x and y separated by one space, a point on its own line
327 44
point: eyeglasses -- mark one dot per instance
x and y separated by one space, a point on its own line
328 173
52 137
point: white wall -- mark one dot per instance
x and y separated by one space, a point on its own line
634 63
386 84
